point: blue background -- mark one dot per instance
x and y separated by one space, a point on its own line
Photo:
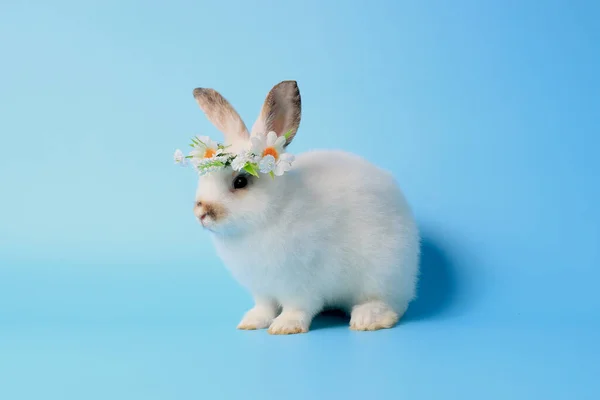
486 112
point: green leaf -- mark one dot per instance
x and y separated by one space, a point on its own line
272 174
212 164
287 134
251 169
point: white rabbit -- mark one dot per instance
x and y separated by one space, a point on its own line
333 232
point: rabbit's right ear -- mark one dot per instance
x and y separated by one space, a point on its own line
281 111
221 114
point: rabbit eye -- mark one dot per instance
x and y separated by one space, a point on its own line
240 182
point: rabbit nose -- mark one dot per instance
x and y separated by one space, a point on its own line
205 209
200 209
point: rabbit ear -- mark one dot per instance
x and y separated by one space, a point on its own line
221 114
281 111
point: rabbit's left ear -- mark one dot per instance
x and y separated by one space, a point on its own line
281 111
221 114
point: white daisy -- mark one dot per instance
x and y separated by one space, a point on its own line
179 158
270 143
257 144
274 144
204 147
267 164
240 161
284 164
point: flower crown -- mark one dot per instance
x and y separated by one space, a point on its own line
265 154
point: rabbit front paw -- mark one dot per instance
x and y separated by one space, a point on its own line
259 317
290 322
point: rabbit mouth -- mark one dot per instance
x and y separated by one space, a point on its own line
207 221
209 213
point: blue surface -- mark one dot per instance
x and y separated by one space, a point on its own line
486 112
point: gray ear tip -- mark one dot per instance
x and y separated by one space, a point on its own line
292 83
199 91
288 84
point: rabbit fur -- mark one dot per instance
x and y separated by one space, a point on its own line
333 232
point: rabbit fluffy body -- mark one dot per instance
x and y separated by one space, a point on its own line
335 231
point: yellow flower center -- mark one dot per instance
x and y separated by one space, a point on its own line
271 151
209 153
